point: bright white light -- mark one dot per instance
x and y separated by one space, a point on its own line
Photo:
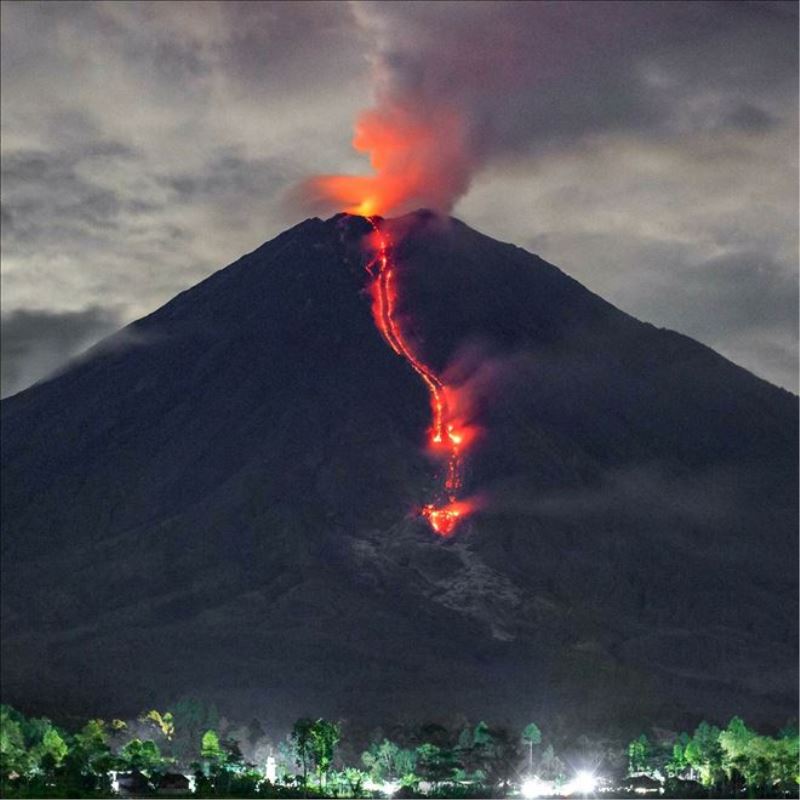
583 783
533 788
390 788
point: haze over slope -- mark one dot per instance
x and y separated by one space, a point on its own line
219 502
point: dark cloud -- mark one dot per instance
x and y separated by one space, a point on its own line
231 175
748 117
35 343
741 289
743 304
46 198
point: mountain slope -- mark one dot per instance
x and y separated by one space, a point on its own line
219 501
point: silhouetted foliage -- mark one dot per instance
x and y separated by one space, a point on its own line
39 759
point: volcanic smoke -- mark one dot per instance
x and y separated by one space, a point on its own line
422 150
417 163
447 436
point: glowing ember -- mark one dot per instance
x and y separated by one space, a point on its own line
445 519
446 436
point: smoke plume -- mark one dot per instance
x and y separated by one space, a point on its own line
452 91
420 136
457 85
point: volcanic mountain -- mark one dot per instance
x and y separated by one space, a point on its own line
222 501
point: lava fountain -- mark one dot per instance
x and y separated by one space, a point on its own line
447 435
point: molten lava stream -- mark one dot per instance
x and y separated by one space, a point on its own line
445 437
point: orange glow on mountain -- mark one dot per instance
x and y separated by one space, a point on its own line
448 436
445 519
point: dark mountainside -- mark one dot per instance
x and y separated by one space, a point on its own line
218 502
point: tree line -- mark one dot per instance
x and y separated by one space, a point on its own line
194 751
729 762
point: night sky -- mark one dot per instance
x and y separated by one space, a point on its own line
650 150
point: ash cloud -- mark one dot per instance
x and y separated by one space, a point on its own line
458 87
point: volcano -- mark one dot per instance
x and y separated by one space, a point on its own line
223 501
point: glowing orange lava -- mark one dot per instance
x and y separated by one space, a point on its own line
444 519
447 437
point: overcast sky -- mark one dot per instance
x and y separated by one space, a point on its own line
649 150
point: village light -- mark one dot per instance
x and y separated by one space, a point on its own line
533 788
583 783
390 788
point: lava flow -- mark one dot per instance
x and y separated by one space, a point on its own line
446 436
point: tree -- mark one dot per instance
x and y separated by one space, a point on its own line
500 754
677 764
325 736
762 761
488 754
638 755
551 767
531 735
704 754
435 764
143 756
29 747
211 753
92 742
88 762
303 748
469 751
191 718
163 722
786 761
758 765
90 758
389 763
233 759
736 744
222 769
355 780
14 760
53 749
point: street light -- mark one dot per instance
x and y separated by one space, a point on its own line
583 783
533 788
